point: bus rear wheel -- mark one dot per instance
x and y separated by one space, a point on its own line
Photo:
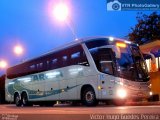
17 100
25 100
89 97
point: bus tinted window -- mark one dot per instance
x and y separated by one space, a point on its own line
106 67
97 43
32 67
75 55
70 56
78 57
103 59
54 61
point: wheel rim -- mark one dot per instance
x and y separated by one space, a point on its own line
89 96
17 100
24 100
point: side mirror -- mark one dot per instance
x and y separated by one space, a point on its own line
153 58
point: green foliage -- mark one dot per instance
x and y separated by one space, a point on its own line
147 29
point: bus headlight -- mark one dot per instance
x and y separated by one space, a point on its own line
150 85
150 93
121 93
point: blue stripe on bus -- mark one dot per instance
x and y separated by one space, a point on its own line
33 94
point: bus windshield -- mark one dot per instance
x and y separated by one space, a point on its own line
130 65
125 64
140 64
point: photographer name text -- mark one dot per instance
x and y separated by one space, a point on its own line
124 116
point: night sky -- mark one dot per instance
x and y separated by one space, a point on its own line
29 23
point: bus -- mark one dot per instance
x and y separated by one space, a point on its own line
87 70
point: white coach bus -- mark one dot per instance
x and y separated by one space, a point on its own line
87 70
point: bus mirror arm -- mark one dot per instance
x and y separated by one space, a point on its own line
152 57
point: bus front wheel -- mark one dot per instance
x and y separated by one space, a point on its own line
89 97
17 100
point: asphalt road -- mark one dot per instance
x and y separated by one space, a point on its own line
68 112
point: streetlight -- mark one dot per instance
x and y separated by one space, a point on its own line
3 64
18 50
61 13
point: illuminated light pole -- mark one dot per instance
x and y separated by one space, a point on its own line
61 13
3 64
18 50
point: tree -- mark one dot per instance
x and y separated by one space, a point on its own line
147 29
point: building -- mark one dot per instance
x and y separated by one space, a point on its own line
151 52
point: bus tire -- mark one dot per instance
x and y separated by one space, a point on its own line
25 99
75 103
89 97
17 100
1 101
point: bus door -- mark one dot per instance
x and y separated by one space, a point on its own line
106 65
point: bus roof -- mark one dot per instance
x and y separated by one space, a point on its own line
75 42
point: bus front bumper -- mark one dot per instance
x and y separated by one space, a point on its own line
133 95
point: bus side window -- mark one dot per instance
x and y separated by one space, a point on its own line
83 59
40 67
32 67
78 57
106 67
48 65
54 63
18 71
106 61
64 61
74 58
103 60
